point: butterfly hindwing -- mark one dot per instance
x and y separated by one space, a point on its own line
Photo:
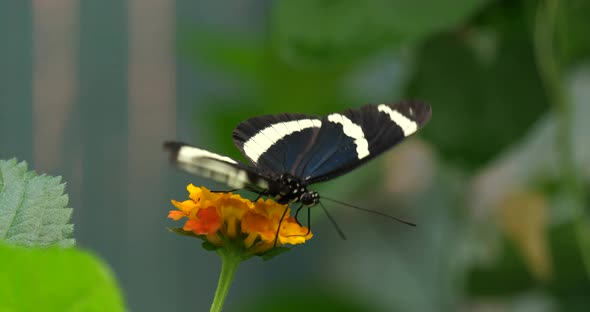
217 167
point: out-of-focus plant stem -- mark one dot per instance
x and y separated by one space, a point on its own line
229 264
551 75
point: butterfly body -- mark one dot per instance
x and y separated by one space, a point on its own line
289 152
288 189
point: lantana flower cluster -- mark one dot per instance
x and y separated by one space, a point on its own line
223 218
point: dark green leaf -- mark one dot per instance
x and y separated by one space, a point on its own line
484 96
570 280
182 232
572 32
33 208
508 276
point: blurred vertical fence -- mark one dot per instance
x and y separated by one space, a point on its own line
87 91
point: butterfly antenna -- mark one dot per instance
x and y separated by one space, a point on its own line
338 229
371 211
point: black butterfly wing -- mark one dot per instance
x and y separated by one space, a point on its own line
349 139
217 167
317 149
276 143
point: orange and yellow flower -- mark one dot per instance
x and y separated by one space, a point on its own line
222 217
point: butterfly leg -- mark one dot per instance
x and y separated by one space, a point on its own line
297 214
279 227
228 191
308 221
233 190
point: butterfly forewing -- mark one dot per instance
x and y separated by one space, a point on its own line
367 132
273 143
317 149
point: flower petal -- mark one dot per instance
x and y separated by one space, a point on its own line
176 215
194 192
255 223
208 221
271 209
185 206
293 233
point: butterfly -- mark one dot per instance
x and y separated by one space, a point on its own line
290 152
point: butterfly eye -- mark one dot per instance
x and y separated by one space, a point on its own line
305 198
308 198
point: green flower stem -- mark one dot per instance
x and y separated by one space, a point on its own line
229 264
551 74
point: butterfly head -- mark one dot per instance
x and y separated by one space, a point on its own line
292 190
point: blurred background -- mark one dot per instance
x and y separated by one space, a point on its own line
497 182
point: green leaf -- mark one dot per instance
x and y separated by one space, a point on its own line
33 208
182 232
273 253
327 31
55 279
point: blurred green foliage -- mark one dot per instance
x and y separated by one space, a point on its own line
489 95
573 42
321 32
510 276
312 298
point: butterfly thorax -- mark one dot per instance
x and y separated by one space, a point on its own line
290 189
